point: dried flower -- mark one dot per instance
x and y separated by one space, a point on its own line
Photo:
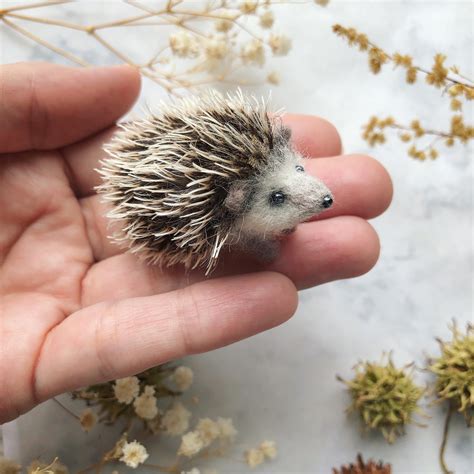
226 429
215 48
280 44
8 466
191 444
55 467
183 378
134 454
184 44
248 7
208 430
88 419
268 449
145 405
223 25
323 3
273 78
194 470
253 52
254 457
438 74
267 19
385 397
360 467
175 421
126 389
454 371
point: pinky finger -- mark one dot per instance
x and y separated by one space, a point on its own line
116 339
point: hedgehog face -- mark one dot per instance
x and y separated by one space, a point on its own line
280 197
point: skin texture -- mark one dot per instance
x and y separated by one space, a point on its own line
75 309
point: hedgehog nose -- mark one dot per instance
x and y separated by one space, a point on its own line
327 201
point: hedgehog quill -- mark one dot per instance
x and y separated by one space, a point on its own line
205 173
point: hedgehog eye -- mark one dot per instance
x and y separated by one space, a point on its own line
299 168
277 198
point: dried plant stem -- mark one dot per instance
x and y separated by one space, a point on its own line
436 133
442 448
55 49
33 5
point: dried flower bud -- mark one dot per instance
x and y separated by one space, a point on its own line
191 444
133 454
254 457
454 371
385 397
253 53
360 467
184 44
248 7
267 19
280 44
88 419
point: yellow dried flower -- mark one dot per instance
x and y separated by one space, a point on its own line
402 60
184 44
456 104
438 74
433 154
267 19
385 397
225 23
88 419
405 137
417 128
216 48
323 3
8 466
273 78
248 7
253 52
280 44
454 371
254 457
377 58
268 449
449 141
411 75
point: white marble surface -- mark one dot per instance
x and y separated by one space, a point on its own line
281 384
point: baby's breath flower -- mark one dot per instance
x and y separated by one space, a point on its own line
134 454
208 430
145 405
126 389
456 104
273 78
226 429
280 44
9 467
385 397
438 74
55 467
191 444
175 421
411 75
184 44
377 58
215 48
88 419
225 23
254 457
268 449
194 470
267 19
253 52
248 6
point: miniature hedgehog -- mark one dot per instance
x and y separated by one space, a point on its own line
207 172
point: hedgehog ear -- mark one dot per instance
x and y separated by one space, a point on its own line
282 136
238 196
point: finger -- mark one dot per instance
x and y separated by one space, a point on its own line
318 252
313 137
361 187
46 106
112 340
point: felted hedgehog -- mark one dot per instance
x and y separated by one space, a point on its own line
205 173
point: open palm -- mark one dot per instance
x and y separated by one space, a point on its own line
74 308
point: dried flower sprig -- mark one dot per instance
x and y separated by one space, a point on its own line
455 86
211 41
266 450
7 466
385 397
361 467
454 371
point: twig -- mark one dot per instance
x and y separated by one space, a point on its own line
442 448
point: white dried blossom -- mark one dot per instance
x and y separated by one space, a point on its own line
254 457
280 44
133 454
215 48
88 419
226 428
146 404
191 444
248 6
175 421
225 23
194 470
268 449
253 52
184 44
273 78
208 430
267 19
126 389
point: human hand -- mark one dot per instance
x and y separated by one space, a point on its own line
74 308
